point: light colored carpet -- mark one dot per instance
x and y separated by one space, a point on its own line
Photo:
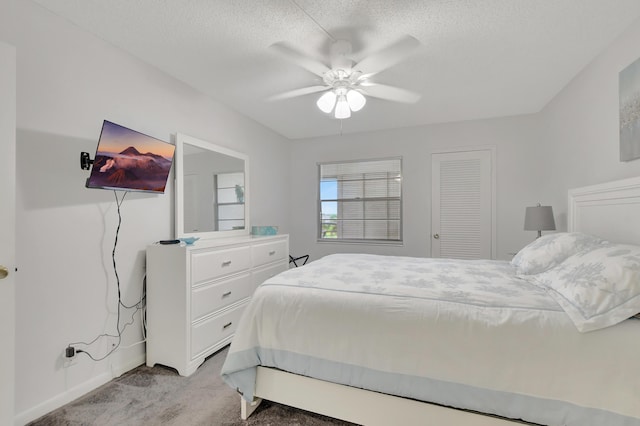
159 396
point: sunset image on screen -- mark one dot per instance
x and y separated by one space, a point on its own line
129 160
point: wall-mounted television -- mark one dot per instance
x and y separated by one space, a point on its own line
130 161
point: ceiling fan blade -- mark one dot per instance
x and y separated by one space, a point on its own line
297 92
311 65
388 56
390 93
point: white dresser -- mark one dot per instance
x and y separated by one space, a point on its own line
196 294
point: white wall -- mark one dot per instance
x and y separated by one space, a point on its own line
518 155
68 82
580 126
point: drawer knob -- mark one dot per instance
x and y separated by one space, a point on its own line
227 325
227 294
226 263
272 252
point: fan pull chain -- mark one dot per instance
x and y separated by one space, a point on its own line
316 22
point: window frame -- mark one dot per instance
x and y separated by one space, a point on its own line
370 241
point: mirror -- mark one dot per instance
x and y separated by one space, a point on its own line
212 190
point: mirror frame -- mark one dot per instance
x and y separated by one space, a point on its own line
180 140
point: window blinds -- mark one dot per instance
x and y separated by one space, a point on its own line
361 200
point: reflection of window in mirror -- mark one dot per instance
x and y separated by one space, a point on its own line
230 200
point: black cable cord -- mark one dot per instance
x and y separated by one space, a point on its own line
118 336
139 305
113 252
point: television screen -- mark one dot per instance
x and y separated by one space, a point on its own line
131 161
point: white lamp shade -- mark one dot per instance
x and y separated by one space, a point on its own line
539 218
356 100
342 108
327 101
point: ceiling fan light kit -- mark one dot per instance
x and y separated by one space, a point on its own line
345 100
342 93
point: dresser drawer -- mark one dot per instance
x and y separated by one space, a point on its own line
269 252
212 297
207 333
261 275
208 265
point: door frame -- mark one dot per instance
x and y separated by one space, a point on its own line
492 149
8 73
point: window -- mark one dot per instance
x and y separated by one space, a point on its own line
361 201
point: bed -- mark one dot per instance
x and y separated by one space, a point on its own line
381 340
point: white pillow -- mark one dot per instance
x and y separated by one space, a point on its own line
598 287
551 250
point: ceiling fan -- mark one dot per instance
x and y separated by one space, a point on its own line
346 84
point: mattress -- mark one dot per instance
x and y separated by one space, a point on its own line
465 334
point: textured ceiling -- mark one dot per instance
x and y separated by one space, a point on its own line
477 58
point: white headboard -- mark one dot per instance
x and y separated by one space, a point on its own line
610 210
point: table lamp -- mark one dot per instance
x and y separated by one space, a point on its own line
539 218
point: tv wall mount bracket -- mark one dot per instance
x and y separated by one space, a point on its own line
85 161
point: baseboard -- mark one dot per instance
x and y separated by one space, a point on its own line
136 361
76 391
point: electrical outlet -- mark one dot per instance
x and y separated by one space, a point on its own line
69 352
69 357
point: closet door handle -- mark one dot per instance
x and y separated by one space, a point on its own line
436 236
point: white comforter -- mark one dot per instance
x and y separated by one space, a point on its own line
467 334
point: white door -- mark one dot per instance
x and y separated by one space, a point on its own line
7 230
462 204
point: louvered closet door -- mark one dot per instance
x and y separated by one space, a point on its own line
462 215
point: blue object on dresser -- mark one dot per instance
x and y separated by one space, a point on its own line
189 240
264 230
